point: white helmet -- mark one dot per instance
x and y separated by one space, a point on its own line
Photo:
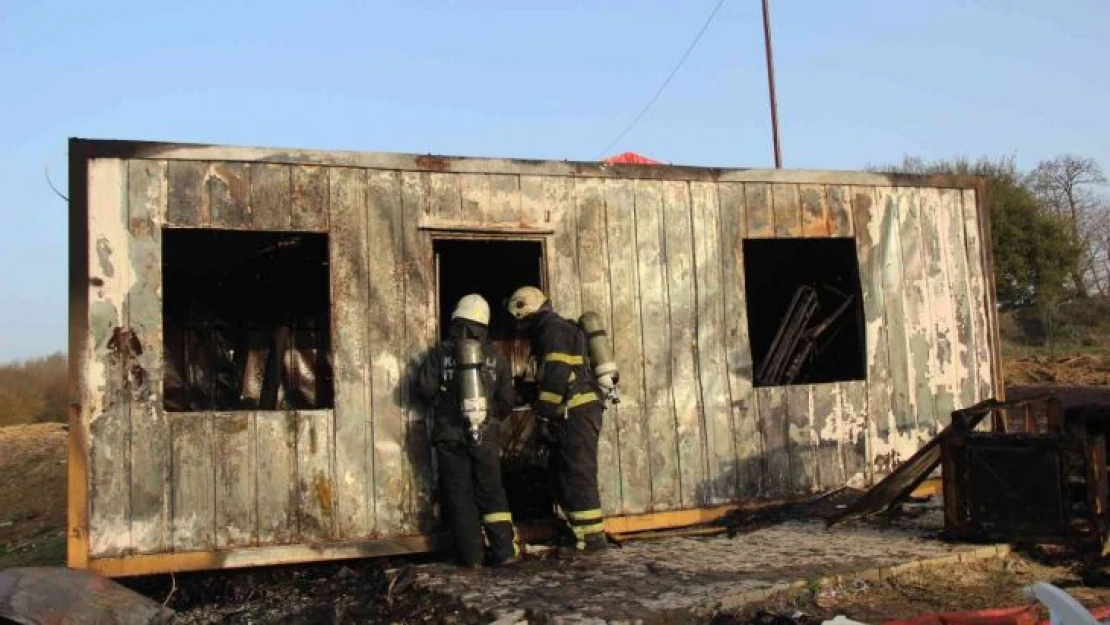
472 307
525 301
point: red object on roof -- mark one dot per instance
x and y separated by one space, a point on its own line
631 158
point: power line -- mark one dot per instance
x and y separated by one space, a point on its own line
658 92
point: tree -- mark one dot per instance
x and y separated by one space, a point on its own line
1064 186
1034 252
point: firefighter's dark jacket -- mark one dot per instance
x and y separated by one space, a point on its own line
431 383
564 379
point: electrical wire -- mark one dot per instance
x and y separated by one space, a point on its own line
662 87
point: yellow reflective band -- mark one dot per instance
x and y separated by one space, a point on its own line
550 398
498 517
579 399
585 515
569 359
581 531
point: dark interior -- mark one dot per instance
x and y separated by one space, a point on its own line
246 319
774 269
494 269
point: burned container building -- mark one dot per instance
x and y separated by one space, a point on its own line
244 324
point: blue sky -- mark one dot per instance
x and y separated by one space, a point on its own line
860 82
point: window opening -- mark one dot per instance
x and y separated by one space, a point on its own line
805 311
246 321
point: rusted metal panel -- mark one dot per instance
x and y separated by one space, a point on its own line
236 475
150 435
352 315
943 378
867 222
665 485
816 220
275 447
981 302
387 344
193 481
773 422
270 197
633 429
678 261
109 353
710 324
228 187
738 355
786 210
309 201
594 279
920 335
420 195
316 491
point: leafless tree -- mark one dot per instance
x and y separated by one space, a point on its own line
1067 185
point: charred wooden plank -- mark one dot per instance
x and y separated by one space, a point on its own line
760 218
236 473
665 486
150 432
892 205
505 201
943 376
839 210
112 349
193 482
592 255
920 335
276 448
387 365
829 423
773 418
786 210
565 290
980 299
867 223
309 202
710 323
315 481
228 186
816 220
682 311
854 432
746 436
187 204
351 311
633 430
270 197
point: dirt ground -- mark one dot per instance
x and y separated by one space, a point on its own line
995 583
32 522
32 495
1092 369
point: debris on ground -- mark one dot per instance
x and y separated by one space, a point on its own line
66 596
364 591
1081 369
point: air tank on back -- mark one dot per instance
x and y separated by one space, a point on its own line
472 395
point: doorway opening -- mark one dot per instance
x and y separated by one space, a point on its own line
494 268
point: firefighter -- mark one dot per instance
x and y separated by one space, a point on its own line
467 443
569 405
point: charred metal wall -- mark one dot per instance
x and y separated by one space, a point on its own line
657 251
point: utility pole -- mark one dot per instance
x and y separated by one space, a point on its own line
771 84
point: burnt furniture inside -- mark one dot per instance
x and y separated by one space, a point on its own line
805 311
246 321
